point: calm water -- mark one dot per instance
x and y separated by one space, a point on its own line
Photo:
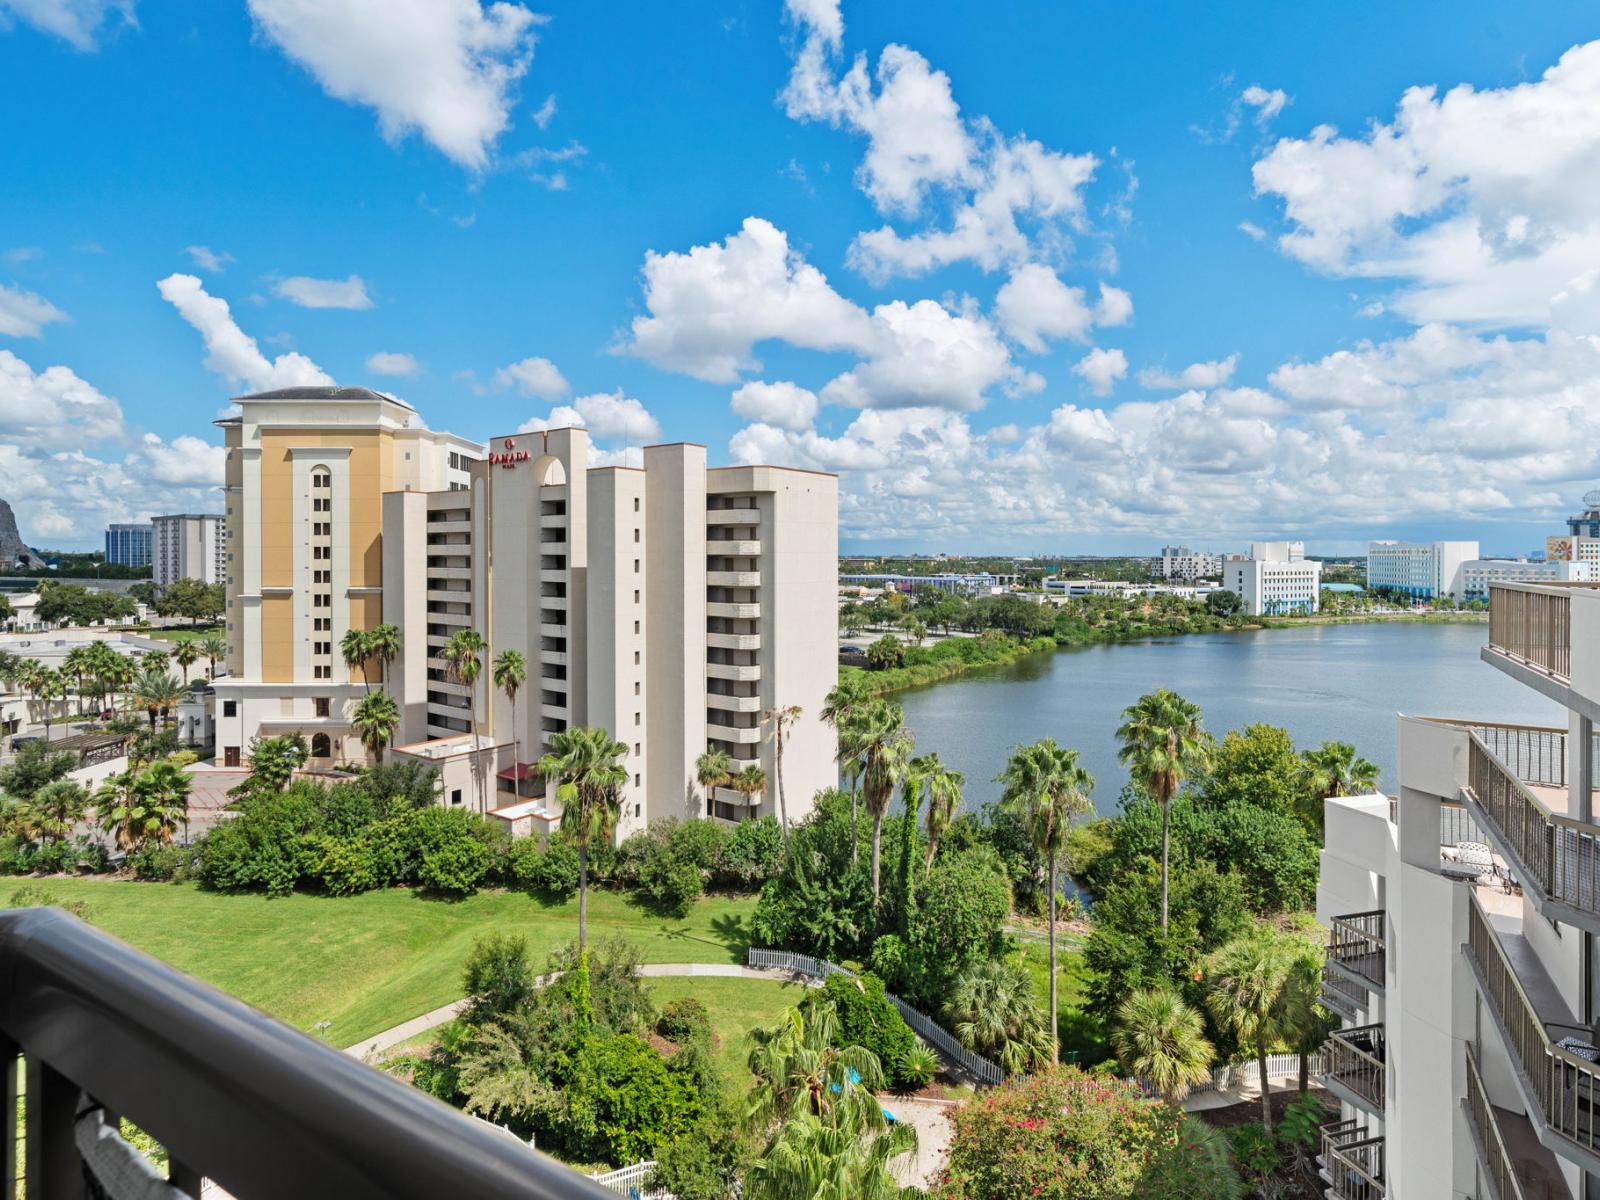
1321 683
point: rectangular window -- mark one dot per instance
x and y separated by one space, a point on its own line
636 504
638 810
320 706
455 795
637 749
636 784
636 624
636 536
636 718
635 687
636 566
636 658
636 600
230 708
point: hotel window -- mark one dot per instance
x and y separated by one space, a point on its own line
636 683
636 624
636 504
636 718
636 532
230 708
321 479
636 657
320 706
323 673
636 600
636 783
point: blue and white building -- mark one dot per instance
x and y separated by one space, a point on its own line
129 545
1276 580
1421 570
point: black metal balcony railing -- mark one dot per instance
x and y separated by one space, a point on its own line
1560 855
1355 1059
232 1095
1534 627
1356 943
1341 995
1352 1162
1495 1159
1563 1087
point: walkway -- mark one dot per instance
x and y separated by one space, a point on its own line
407 1030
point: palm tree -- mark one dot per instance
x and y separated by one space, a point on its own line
1335 769
877 734
713 769
463 663
1309 1024
1246 980
943 786
383 643
273 762
376 718
778 720
587 767
185 654
59 805
213 648
355 647
164 789
1162 744
749 782
994 1011
155 660
77 663
138 807
847 698
510 673
800 1068
1161 1039
1045 787
158 693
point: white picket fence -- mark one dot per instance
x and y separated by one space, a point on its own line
929 1030
1227 1075
629 1181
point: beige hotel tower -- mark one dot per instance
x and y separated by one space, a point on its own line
671 604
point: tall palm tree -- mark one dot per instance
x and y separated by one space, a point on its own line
1160 1038
749 782
877 734
800 1068
59 806
1163 743
1309 1024
164 789
158 694
185 654
848 697
713 769
355 648
778 720
273 761
77 663
463 660
214 648
1045 787
510 673
993 1009
586 765
943 786
383 643
1246 980
376 718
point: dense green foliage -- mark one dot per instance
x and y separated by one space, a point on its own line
867 1019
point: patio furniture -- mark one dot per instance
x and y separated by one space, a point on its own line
1474 854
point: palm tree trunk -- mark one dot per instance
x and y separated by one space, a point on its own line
783 808
583 894
1266 1092
933 845
1055 1028
1305 1072
855 841
877 852
1166 812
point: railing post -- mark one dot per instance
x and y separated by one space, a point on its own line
54 1170
8 1098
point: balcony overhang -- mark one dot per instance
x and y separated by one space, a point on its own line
1552 687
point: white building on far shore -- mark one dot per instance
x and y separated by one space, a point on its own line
1276 580
1180 562
1422 570
1480 573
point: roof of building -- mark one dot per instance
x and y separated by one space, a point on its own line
330 393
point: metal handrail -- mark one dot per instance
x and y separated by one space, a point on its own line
1563 1087
1355 1065
1356 938
1497 1161
232 1094
1533 627
1355 1169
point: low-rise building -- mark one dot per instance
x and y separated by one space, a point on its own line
1479 575
1180 562
981 584
1421 570
1276 580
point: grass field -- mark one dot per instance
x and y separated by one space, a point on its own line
736 1006
369 962
1082 1034
181 633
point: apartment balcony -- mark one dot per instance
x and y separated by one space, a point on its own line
1356 950
1510 1157
748 673
1351 1162
733 516
556 658
553 520
1549 1051
558 711
733 547
449 618
734 641
738 704
233 1096
1355 1065
1339 995
436 572
739 579
547 629
1517 792
552 575
558 546
734 612
459 526
728 796
739 735
449 687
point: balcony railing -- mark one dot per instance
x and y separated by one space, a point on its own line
1341 995
1493 1156
1355 943
231 1094
1352 1162
1559 855
1563 1087
1533 627
1354 1058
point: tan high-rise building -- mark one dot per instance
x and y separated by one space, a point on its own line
307 469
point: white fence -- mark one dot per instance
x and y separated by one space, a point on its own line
629 1181
951 1050
1227 1075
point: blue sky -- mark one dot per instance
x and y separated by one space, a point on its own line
1032 277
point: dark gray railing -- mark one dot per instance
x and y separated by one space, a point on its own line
1355 942
233 1095
1352 1162
1496 1160
1356 1058
1534 627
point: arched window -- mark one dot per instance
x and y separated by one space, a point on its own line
321 746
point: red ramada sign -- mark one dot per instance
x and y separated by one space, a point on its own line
509 455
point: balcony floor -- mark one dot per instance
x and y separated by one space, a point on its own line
1535 1166
1546 998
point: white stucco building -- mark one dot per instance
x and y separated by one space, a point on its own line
1180 562
1277 579
1478 575
1422 570
1462 919
188 546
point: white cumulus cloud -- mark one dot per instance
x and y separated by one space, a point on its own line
1101 369
208 259
324 293
606 415
783 405
53 407
1201 375
386 362
533 377
231 352
24 313
77 22
1034 305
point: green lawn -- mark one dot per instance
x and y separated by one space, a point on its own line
181 633
369 962
736 1006
1082 1034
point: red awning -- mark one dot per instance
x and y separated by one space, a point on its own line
519 772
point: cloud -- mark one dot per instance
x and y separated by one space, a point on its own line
77 22
324 293
230 352
208 259
533 377
1266 103
1101 369
534 162
24 313
1252 231
607 415
386 362
23 254
1034 305
1476 202
1115 307
448 69
782 405
546 112
52 408
186 461
1201 375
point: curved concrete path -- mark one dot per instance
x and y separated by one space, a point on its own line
407 1030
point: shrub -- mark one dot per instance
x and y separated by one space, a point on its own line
1254 1150
348 865
497 977
628 867
698 841
962 905
455 868
33 896
684 1020
867 1018
752 854
918 1067
164 864
626 1100
674 883
705 1164
1197 1167
554 871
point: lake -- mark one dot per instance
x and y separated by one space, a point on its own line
1320 682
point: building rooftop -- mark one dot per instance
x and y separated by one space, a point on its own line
326 394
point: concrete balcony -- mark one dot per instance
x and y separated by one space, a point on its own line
556 658
734 612
448 527
1509 1153
443 596
733 548
559 711
554 575
746 735
1351 1162
450 688
1355 1067
552 601
738 704
734 641
728 796
548 630
733 516
448 618
738 674
556 547
732 579
552 520
436 572
1356 951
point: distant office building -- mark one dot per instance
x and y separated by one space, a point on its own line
1423 570
1276 580
189 546
1180 562
1587 523
982 584
128 545
1477 575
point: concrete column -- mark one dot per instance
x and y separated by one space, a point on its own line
1580 766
